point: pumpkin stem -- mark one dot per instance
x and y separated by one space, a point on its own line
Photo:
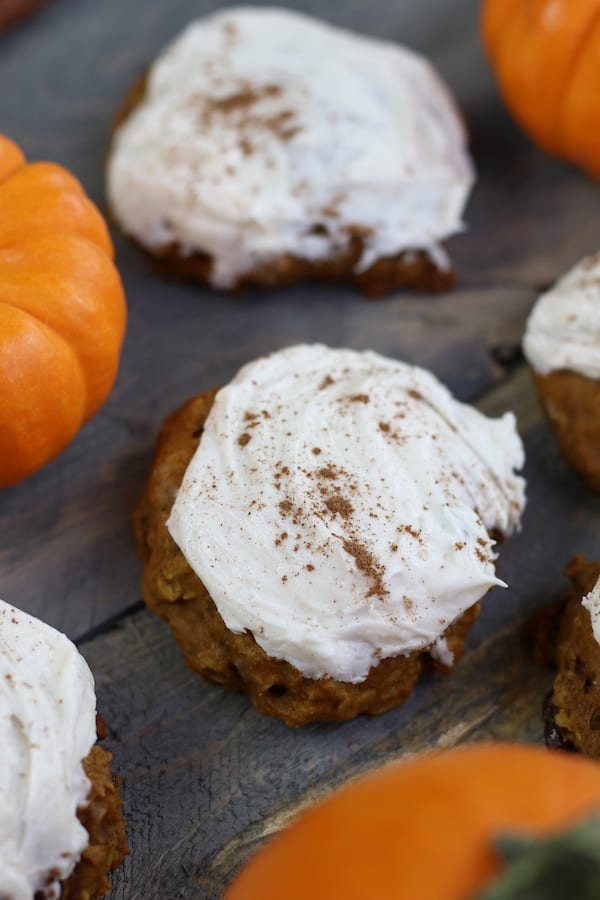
561 867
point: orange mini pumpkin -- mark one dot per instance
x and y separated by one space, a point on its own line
62 312
423 829
546 56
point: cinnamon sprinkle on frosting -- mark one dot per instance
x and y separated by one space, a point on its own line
337 562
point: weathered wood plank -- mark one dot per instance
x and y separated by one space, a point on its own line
206 778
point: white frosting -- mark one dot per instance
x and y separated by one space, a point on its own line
369 548
47 726
563 329
592 604
259 124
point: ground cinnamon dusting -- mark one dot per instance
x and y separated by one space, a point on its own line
408 529
246 147
338 505
328 472
244 439
368 565
230 30
282 537
241 100
242 103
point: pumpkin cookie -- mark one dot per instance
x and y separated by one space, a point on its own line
264 147
575 647
319 531
562 346
61 827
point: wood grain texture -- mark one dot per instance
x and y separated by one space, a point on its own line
206 778
66 552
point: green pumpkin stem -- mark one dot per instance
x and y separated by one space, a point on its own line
565 866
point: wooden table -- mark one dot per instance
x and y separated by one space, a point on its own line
205 777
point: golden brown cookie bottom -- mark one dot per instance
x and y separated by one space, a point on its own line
13 10
576 695
572 404
105 825
410 269
235 661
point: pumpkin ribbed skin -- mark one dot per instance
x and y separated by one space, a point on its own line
423 829
546 57
62 312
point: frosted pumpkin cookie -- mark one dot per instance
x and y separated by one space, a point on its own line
575 702
264 147
562 346
322 529
61 828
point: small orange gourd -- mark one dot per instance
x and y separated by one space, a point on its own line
546 57
62 312
423 829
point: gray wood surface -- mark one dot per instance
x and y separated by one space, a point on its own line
201 797
205 777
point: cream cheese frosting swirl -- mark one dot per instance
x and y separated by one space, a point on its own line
563 329
264 132
47 727
592 603
339 507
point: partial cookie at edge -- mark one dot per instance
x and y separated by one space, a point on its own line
576 695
